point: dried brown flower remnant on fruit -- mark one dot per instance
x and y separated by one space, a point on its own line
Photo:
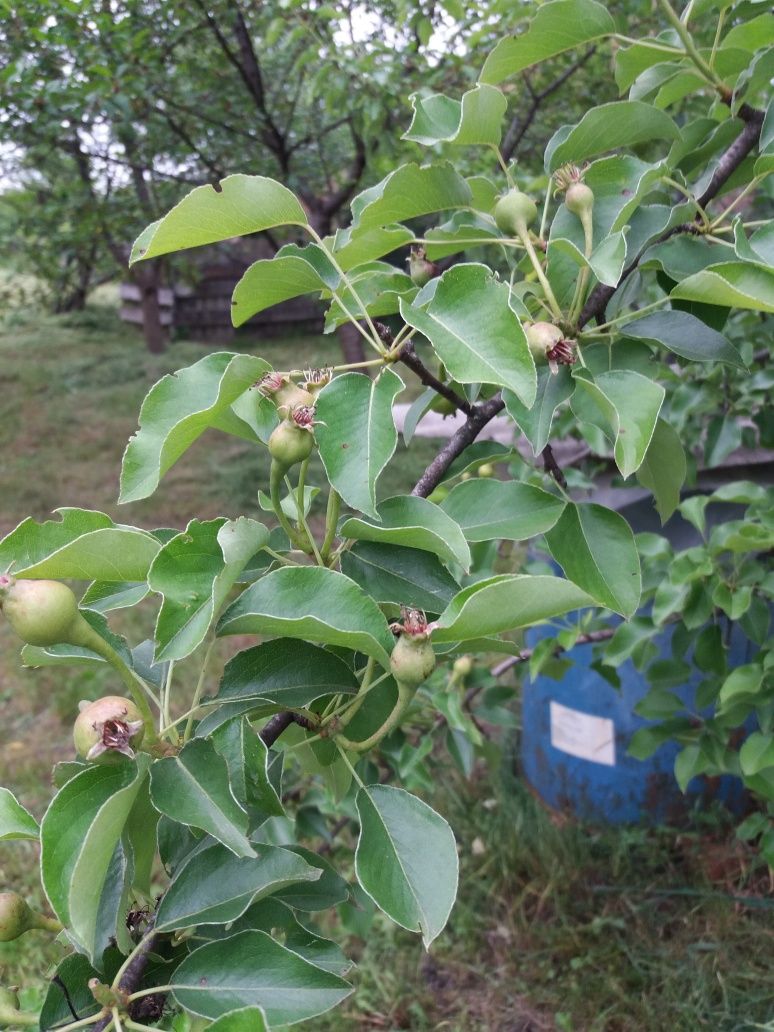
316 379
564 352
285 394
108 728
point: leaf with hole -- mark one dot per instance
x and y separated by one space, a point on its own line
239 205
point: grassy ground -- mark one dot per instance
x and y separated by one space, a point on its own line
557 926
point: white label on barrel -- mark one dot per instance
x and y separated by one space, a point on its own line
583 735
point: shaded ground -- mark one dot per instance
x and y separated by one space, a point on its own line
557 927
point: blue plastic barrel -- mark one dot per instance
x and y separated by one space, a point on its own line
575 737
576 732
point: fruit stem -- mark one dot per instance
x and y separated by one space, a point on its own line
503 164
523 233
300 490
372 338
303 525
198 691
690 46
405 695
276 476
46 924
331 520
580 286
97 643
11 1018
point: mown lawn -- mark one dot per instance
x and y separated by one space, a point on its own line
557 927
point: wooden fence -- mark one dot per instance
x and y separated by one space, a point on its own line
203 311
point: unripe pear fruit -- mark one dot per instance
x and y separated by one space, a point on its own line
42 612
289 444
486 470
463 667
291 396
541 337
107 729
9 1000
16 917
579 199
514 212
412 660
442 406
421 270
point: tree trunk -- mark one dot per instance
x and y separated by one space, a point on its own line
154 332
351 343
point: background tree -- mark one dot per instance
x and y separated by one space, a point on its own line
115 108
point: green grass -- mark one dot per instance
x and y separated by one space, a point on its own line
557 926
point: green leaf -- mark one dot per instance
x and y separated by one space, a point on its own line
289 504
741 685
475 332
733 284
74 973
356 435
15 821
269 281
245 1019
250 969
622 123
535 422
487 509
505 603
194 573
556 27
629 404
215 887
378 287
83 545
475 120
328 892
177 410
311 603
366 246
686 336
239 205
247 759
664 469
595 548
407 192
284 674
406 859
414 522
104 596
79 835
757 753
403 576
193 788
606 261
